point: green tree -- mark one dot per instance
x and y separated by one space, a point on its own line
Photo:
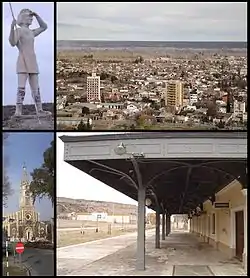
104 75
102 98
113 78
220 124
162 103
81 126
132 127
43 182
145 99
212 109
140 120
7 191
70 99
155 105
85 110
138 60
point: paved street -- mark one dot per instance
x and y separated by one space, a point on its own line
180 254
39 261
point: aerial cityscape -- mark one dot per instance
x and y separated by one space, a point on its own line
148 79
143 109
151 88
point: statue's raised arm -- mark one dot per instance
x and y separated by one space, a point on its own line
42 25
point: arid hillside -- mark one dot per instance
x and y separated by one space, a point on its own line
66 205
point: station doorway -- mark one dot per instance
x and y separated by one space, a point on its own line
239 233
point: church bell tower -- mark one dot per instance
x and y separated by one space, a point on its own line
26 200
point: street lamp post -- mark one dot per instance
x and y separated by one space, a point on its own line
52 230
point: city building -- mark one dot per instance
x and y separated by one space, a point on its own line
193 97
24 224
174 94
105 217
239 107
243 71
93 88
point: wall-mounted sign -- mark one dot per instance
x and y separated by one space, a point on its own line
221 205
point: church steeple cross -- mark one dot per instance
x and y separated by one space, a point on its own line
25 197
25 178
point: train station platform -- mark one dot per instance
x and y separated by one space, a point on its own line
181 254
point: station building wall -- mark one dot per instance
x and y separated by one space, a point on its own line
217 226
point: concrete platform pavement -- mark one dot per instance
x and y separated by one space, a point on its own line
71 259
181 254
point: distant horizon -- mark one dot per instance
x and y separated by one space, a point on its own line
151 40
118 44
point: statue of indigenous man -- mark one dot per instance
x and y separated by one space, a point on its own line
27 68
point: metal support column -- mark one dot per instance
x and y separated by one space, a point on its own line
140 262
168 223
163 226
157 229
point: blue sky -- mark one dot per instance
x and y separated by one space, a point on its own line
44 45
28 148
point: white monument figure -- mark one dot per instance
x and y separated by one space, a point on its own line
27 68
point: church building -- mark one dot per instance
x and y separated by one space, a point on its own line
24 224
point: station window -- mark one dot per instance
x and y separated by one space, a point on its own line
213 223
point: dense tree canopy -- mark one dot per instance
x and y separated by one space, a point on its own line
43 182
7 191
82 126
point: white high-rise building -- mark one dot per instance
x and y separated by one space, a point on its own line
239 107
193 97
93 88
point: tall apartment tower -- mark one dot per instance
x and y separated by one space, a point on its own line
174 94
93 88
